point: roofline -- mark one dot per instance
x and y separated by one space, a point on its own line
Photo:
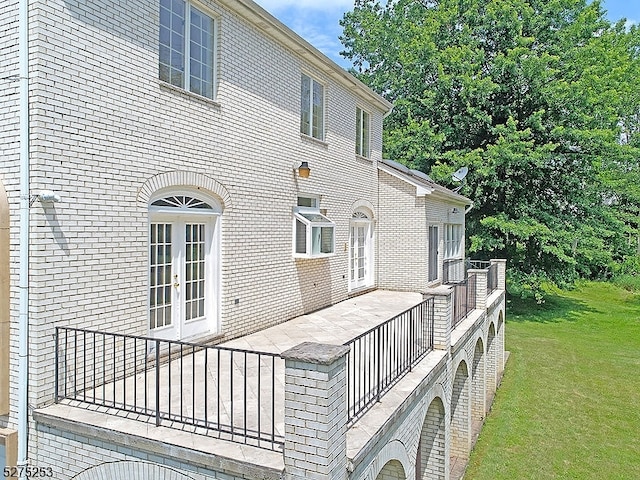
419 180
274 28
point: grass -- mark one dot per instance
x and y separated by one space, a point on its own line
569 403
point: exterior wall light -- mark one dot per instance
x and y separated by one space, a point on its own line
304 170
46 196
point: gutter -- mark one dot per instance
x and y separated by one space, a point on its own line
23 316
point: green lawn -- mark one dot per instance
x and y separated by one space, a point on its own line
569 403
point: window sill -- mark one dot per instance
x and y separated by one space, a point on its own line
313 140
187 94
299 256
362 158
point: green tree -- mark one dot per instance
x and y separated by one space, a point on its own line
532 96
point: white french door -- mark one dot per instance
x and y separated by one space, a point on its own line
360 254
182 276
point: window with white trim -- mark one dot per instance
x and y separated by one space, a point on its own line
362 132
312 108
313 233
187 47
452 240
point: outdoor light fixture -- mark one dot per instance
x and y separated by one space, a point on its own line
46 196
304 170
455 210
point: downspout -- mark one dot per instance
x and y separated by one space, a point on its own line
23 321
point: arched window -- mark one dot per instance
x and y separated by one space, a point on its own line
360 251
184 258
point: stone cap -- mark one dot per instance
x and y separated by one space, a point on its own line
318 353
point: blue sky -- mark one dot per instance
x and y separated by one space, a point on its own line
317 20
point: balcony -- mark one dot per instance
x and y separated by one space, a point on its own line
246 391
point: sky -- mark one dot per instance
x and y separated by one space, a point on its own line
317 20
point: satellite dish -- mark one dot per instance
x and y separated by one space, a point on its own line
459 174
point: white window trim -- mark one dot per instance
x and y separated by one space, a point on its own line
186 87
310 135
359 134
298 216
453 240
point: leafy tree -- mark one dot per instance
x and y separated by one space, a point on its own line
533 96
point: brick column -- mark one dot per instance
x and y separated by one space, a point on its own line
442 315
502 272
481 287
315 439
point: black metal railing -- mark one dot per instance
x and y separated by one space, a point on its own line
464 299
492 278
225 392
453 270
381 356
478 264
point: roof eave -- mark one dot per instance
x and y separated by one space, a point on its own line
274 28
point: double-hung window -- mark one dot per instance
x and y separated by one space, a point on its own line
187 47
362 132
453 240
313 233
312 108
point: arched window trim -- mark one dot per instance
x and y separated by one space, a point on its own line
174 201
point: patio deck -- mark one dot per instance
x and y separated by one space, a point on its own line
199 385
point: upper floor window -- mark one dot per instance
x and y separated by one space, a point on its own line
452 241
362 132
312 108
187 38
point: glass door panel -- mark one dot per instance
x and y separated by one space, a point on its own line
160 272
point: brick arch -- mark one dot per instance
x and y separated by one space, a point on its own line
364 205
478 389
393 470
181 178
130 469
500 346
394 453
432 462
461 412
491 364
4 300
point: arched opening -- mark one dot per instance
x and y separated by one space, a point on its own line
184 264
130 469
361 254
478 387
460 417
490 373
500 346
431 460
4 301
392 470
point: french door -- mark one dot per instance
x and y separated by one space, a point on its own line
360 253
182 276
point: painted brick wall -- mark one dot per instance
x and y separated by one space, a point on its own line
69 455
103 125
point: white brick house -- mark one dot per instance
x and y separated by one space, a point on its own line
178 135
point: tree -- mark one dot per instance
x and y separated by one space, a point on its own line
533 96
